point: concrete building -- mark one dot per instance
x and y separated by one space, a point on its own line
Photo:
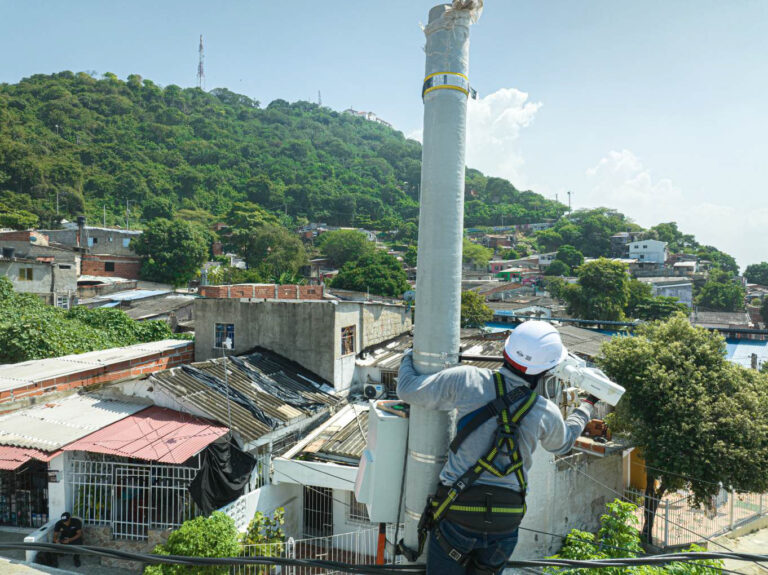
103 241
620 243
649 251
55 283
546 259
34 245
680 288
323 336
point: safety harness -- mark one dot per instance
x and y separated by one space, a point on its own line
509 409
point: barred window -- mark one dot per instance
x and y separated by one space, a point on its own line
224 332
357 511
347 340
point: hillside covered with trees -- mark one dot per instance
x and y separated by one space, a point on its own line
100 145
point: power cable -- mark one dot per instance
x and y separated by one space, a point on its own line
372 569
621 495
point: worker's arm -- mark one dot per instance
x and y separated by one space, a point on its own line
78 536
442 390
558 435
56 535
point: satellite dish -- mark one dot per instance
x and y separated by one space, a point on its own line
410 295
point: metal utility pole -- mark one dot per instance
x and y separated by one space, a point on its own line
201 66
438 293
569 201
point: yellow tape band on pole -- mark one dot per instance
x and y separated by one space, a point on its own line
445 81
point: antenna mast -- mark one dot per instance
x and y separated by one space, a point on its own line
201 66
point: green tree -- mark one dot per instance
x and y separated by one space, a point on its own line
570 256
721 293
558 268
377 272
555 286
274 251
474 312
17 219
344 246
411 256
475 254
601 293
617 538
264 538
764 310
157 208
213 536
510 254
172 251
659 307
757 273
699 420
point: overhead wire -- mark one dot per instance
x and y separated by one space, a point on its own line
623 497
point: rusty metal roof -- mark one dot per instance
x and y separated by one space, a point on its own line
154 434
267 384
14 457
342 439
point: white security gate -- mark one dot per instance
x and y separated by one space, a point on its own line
132 497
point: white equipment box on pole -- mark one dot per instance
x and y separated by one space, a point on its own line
380 475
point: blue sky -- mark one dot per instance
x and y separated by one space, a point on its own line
655 108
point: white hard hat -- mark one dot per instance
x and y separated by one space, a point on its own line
534 347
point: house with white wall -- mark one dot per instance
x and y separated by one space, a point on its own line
649 251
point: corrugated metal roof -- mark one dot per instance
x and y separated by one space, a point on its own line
154 434
28 372
250 376
53 425
14 457
342 439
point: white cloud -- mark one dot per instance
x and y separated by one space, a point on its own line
620 180
493 128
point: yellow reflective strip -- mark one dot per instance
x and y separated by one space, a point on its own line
526 406
447 501
491 468
473 509
451 73
446 87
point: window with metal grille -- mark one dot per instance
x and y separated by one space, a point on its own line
109 266
62 301
357 511
26 274
347 340
224 332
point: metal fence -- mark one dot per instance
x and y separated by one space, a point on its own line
131 498
679 522
356 548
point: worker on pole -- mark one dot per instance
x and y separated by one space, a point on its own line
473 518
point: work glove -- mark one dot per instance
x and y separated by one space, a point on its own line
591 399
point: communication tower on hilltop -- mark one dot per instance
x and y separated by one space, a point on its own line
201 66
319 98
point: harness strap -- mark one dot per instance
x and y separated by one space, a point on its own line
471 422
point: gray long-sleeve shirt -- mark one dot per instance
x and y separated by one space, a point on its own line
467 388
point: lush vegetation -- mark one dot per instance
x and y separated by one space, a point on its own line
30 329
757 273
376 272
721 293
344 246
217 536
617 538
172 251
99 143
605 291
474 312
699 420
213 536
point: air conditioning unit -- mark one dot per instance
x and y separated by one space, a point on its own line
374 390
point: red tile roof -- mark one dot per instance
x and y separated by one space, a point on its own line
14 457
154 434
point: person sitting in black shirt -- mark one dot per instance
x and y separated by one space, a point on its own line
68 531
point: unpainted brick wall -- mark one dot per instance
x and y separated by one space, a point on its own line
127 268
262 291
